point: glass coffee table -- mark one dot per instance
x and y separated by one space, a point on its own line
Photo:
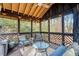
41 46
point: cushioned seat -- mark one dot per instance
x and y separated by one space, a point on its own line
69 52
59 51
23 40
12 44
5 44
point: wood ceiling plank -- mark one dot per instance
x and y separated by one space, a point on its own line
37 10
7 6
28 8
43 13
15 7
33 9
22 7
42 9
46 9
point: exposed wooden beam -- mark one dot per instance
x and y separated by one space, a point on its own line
22 7
14 14
7 6
15 7
28 8
43 13
33 9
37 11
46 9
42 9
9 17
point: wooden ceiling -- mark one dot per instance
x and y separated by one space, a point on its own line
35 10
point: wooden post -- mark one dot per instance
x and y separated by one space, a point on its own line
40 25
63 43
18 28
31 27
49 29
76 24
18 25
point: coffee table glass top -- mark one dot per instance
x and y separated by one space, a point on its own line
40 45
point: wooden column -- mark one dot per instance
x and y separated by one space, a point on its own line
63 26
49 29
31 27
76 24
40 25
18 28
18 25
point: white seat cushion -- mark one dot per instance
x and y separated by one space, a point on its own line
69 52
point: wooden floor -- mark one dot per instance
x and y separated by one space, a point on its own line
28 51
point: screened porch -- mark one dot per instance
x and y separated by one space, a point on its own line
55 25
